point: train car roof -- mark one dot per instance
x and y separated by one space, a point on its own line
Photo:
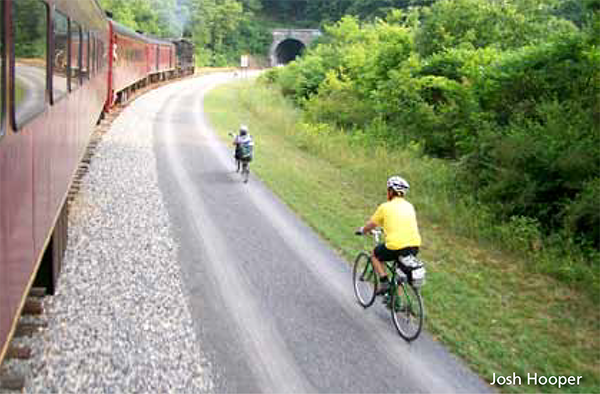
126 31
154 40
181 39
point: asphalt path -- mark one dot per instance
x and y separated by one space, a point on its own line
32 81
272 303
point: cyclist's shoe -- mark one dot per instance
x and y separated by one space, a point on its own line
386 301
383 288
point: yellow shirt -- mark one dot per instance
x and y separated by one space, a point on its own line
399 221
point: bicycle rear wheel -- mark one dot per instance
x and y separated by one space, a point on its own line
365 280
408 312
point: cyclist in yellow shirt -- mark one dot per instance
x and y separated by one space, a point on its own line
399 221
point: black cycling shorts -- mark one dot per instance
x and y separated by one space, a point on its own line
384 254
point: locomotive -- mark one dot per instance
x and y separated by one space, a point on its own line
63 64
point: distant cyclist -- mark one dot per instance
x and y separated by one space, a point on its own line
244 146
399 221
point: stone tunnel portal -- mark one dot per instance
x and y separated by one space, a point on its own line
288 50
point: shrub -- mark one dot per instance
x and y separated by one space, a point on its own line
339 103
537 167
582 216
562 69
478 24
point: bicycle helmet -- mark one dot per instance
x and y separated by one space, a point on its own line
243 129
398 184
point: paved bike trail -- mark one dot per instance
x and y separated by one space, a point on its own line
273 303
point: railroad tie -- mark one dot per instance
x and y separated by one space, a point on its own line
11 382
28 329
18 352
38 292
33 306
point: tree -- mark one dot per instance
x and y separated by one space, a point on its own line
122 12
481 23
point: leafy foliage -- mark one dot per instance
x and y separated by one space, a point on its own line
508 90
161 18
30 29
479 24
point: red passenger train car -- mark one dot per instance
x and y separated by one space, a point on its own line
62 63
128 63
136 59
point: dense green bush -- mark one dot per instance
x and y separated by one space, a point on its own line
479 24
582 216
542 168
546 147
339 103
508 90
560 69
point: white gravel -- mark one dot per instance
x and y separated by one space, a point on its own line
119 321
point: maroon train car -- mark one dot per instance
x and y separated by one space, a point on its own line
53 60
166 56
128 63
136 59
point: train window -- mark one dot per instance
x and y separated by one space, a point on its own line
60 56
2 128
101 55
97 55
75 64
92 54
85 55
30 50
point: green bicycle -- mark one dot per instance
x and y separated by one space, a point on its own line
404 296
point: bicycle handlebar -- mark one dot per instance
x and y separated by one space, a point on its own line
374 232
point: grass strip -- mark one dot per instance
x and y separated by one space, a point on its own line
484 304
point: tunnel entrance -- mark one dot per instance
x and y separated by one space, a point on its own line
288 50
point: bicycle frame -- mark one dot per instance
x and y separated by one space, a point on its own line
406 306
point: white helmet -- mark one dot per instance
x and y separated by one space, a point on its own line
243 129
398 184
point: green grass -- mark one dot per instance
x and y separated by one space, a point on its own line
486 305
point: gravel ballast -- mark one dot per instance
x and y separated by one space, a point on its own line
119 321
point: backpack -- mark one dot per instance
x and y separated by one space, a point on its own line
245 152
245 149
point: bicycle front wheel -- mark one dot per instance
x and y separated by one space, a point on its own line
365 280
408 312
